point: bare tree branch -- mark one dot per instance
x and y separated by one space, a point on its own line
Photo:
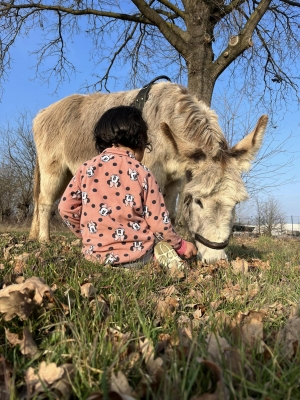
169 32
172 7
241 42
205 37
291 3
5 7
128 36
222 9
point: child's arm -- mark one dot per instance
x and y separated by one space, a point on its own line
70 205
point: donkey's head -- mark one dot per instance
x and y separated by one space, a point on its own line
214 186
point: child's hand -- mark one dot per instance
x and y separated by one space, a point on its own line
191 250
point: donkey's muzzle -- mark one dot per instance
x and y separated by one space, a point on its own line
211 245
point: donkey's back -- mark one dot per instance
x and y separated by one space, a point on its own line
63 132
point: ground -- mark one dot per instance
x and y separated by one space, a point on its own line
72 329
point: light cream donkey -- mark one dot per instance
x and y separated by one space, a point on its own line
188 144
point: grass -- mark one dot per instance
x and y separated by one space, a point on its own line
101 340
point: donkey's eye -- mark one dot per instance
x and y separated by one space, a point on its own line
199 202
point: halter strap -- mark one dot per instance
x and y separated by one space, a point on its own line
143 94
211 245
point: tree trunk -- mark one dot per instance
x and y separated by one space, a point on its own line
200 63
200 79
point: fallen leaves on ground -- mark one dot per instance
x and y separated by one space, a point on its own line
256 263
6 371
50 379
19 263
186 323
26 342
221 391
237 292
120 385
88 290
153 365
21 299
239 265
289 337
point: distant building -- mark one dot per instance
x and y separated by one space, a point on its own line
279 230
243 228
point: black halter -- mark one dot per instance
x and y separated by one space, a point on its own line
211 245
143 94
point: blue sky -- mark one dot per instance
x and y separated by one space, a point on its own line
23 92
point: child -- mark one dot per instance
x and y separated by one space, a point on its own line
114 203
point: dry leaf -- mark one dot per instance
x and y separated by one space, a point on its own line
175 273
20 262
223 263
6 371
216 346
250 327
220 350
184 321
50 378
239 265
111 395
182 339
252 332
195 277
257 263
120 385
232 292
168 291
221 392
253 290
216 304
88 290
289 336
27 344
154 366
77 242
236 365
19 279
21 299
197 295
166 307
100 304
120 342
198 314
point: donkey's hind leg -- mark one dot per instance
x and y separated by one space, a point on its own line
52 187
35 225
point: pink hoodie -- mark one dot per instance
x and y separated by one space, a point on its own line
115 205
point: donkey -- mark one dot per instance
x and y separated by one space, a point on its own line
190 156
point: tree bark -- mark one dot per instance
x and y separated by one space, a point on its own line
199 64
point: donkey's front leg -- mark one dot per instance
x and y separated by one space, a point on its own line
45 215
170 192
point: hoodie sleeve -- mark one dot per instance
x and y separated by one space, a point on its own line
156 214
70 205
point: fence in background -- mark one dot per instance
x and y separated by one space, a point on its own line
290 227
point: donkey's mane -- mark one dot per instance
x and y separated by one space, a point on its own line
197 123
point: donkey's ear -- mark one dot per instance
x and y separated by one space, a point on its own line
168 134
246 149
182 146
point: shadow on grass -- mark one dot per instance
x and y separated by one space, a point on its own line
235 250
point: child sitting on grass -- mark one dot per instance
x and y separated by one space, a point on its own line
114 203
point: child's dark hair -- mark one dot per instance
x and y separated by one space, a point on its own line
123 125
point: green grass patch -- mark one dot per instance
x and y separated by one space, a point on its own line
104 334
